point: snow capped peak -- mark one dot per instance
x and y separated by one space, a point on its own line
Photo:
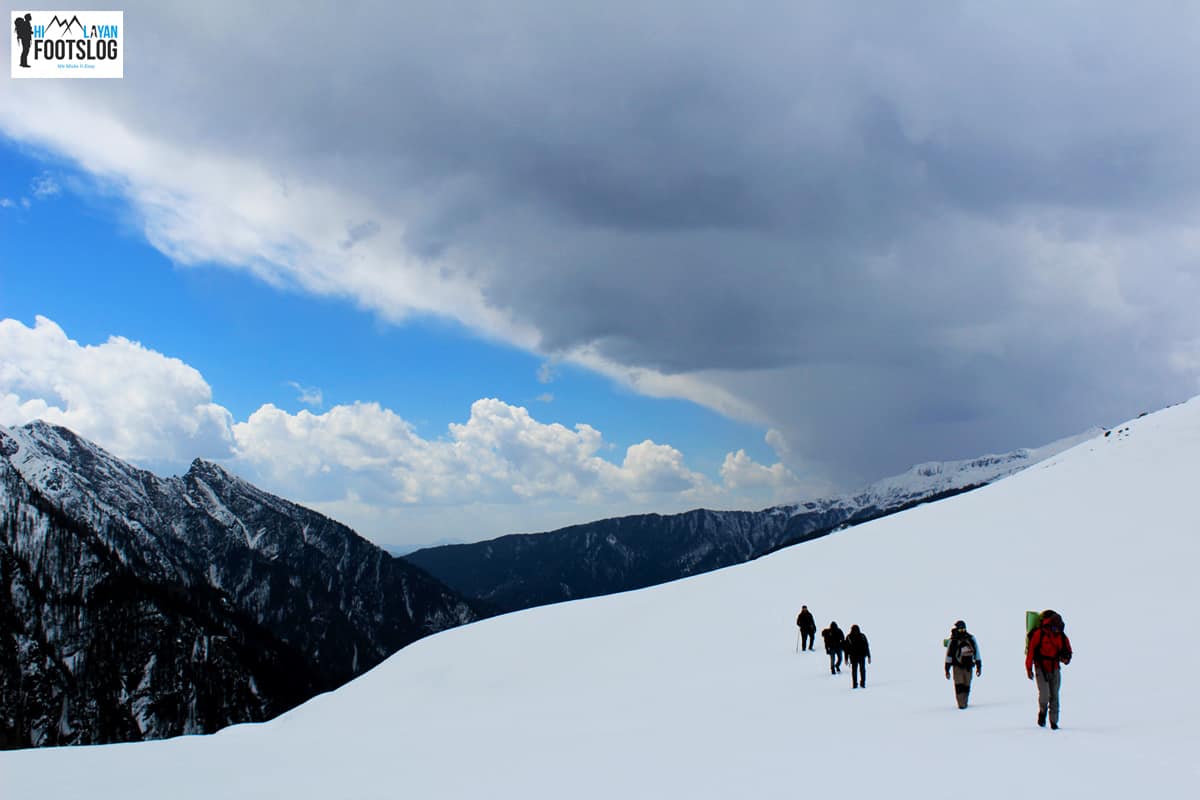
81 476
41 426
203 466
935 477
36 435
44 443
213 473
54 438
930 479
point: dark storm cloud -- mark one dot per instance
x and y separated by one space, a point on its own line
903 232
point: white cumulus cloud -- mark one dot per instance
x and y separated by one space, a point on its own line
501 453
132 400
740 471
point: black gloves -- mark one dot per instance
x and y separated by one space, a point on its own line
947 673
978 668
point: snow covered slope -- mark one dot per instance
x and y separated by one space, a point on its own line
693 689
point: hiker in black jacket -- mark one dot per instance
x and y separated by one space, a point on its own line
858 651
834 639
808 628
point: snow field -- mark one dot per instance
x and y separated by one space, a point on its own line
693 689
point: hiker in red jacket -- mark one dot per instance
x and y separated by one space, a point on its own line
1048 647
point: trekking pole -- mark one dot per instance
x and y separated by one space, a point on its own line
797 640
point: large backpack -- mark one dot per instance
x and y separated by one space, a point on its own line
964 654
1050 643
855 646
1052 646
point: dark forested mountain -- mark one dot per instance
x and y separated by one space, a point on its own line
613 555
134 606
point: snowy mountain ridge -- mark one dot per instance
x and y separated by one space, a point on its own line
694 689
91 542
942 476
95 487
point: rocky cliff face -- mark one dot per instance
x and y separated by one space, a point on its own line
134 606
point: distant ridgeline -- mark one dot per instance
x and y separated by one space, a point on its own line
615 555
137 607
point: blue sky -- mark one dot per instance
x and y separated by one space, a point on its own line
252 341
772 254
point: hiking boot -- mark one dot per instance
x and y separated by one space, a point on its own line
1053 726
1042 718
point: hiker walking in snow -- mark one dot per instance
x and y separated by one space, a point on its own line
1048 646
808 628
962 653
834 639
858 652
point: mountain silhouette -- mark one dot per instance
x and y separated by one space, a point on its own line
65 25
